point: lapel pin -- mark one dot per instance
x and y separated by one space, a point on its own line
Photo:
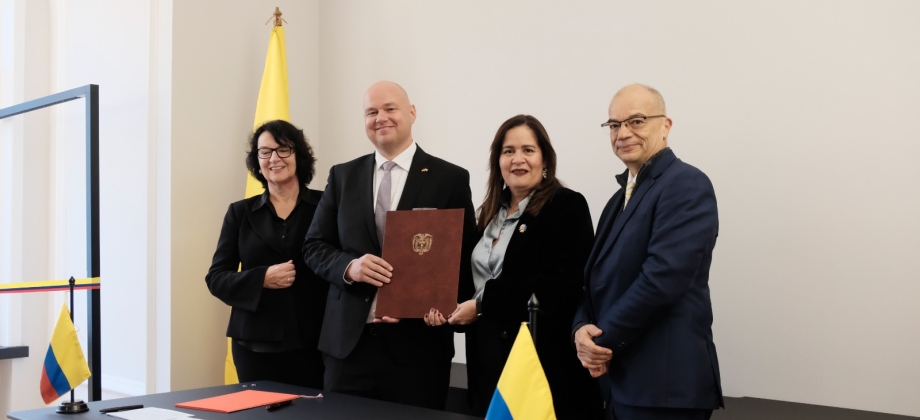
424 169
522 228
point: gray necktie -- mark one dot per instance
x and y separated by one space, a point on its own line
384 199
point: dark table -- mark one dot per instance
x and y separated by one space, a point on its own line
331 407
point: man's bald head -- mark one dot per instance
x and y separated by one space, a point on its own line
655 96
388 118
386 85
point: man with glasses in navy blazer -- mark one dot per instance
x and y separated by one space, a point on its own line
645 327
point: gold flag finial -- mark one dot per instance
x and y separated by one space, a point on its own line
277 17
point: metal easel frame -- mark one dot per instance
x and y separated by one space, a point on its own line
91 94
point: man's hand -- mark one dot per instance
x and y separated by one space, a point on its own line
593 357
464 314
386 320
279 276
370 269
596 373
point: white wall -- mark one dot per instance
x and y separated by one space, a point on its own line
24 200
800 112
90 53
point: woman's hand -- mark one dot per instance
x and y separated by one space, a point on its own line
434 318
464 314
280 276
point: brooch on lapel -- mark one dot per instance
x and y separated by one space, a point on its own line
522 228
424 169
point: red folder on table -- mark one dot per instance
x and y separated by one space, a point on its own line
238 401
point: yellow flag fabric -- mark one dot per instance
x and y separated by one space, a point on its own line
64 367
522 391
273 95
272 105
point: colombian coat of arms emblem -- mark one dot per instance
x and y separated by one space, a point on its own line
421 243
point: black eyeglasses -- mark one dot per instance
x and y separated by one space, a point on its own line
283 152
636 123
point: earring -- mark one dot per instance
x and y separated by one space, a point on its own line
544 173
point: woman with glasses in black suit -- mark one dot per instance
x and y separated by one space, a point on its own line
258 269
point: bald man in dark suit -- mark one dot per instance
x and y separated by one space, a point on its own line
405 361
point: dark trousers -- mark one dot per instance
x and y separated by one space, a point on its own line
627 412
302 367
371 371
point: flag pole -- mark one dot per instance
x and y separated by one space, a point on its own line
74 406
533 305
72 282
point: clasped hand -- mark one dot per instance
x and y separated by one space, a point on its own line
593 357
463 315
280 276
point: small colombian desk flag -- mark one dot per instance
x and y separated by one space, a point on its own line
522 392
64 367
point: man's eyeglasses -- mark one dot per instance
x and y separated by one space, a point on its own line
634 124
283 152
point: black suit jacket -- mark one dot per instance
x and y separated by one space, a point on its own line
547 259
344 229
647 282
247 243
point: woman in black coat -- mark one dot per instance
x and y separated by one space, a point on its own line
536 237
258 269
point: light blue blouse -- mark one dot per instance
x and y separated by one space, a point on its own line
488 260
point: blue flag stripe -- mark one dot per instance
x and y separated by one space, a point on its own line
498 410
55 375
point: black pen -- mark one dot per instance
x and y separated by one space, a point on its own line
122 408
275 406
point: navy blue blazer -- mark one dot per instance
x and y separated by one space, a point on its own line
344 229
647 284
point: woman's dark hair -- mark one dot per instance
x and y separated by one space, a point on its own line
495 191
285 134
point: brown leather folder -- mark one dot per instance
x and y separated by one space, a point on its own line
423 246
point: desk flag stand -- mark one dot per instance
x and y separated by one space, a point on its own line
74 406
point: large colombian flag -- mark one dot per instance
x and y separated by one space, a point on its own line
65 367
272 105
522 392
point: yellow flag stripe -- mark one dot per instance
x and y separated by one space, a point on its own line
523 384
67 351
273 103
